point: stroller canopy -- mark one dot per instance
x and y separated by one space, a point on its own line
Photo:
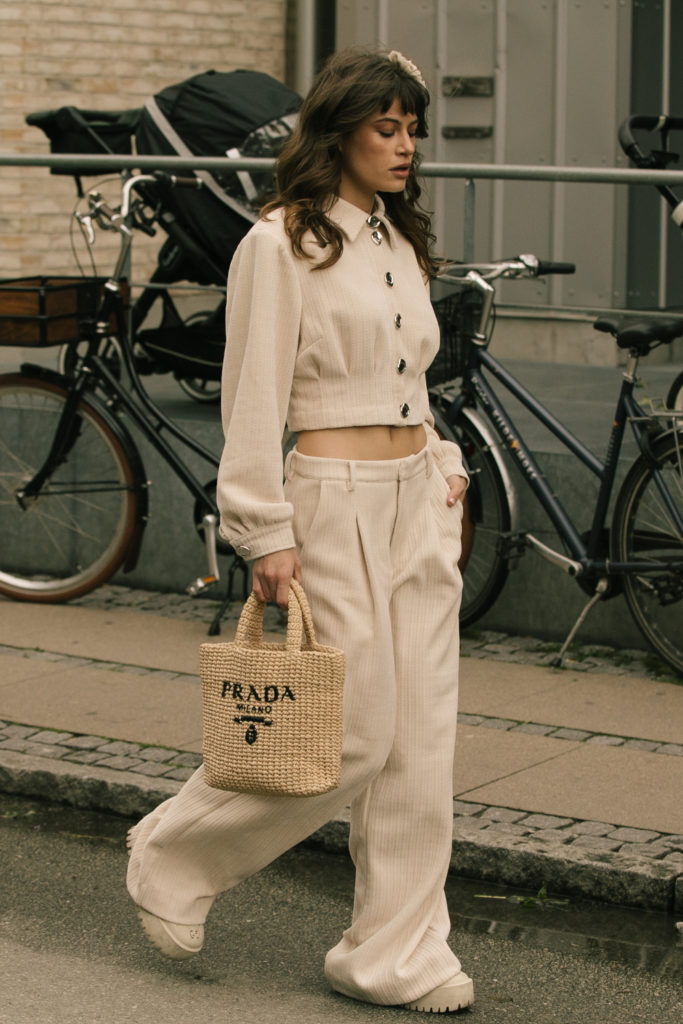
217 114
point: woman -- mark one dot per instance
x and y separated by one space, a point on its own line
330 329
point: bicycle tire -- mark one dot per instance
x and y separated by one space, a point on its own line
75 534
206 392
674 399
642 527
489 512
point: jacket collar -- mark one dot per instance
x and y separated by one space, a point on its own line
352 220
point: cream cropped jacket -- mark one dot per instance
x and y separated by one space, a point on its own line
346 346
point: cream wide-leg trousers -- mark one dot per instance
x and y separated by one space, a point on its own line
379 550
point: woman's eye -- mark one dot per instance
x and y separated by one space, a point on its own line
391 134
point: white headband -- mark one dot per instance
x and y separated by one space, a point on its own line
408 66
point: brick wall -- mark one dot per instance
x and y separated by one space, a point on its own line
104 57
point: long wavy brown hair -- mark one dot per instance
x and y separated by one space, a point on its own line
352 86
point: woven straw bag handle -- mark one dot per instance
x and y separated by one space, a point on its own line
299 620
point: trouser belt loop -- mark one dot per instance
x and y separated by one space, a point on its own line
351 482
289 472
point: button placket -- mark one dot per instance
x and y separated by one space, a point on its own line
400 364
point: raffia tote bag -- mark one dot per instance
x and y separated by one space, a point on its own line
272 711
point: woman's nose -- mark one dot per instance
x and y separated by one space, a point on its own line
406 143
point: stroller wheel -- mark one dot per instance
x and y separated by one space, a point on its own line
207 391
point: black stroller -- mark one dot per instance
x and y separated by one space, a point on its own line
236 113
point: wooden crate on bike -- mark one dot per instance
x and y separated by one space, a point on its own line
36 312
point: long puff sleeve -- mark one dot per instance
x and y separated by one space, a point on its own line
262 332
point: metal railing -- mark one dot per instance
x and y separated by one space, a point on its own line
528 172
104 163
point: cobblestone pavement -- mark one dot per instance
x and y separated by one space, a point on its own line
469 818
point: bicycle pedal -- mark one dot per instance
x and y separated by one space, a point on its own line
201 585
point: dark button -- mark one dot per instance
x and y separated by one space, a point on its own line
397 319
376 237
405 409
389 278
373 221
401 366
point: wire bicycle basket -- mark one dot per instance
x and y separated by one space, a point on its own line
458 315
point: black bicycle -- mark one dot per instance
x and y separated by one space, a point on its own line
641 553
73 488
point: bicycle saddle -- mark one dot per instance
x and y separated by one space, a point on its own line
641 334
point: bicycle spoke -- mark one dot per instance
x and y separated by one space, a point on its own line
645 529
74 531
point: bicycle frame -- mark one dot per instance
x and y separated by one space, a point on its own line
142 410
585 557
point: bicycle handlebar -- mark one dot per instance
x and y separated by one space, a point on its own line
163 178
120 220
479 276
654 159
646 123
550 267
524 266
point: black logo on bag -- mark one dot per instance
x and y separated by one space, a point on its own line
256 705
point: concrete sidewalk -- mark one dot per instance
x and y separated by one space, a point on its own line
570 779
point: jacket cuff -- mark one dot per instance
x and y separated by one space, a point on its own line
262 541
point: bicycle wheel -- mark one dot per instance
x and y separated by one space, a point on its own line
674 399
75 533
489 513
208 392
644 528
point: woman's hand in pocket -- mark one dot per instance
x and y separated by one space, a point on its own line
457 486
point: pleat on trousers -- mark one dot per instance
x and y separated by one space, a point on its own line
379 549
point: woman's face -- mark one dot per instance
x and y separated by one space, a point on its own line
377 156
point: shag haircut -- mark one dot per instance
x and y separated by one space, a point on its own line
352 86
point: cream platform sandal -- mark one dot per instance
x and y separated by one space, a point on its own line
453 995
177 941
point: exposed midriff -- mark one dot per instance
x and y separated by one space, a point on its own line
376 443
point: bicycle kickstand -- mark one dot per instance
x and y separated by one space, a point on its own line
238 565
600 590
202 583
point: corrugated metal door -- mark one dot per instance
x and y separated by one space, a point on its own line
558 72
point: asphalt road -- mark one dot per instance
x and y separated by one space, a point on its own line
71 950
